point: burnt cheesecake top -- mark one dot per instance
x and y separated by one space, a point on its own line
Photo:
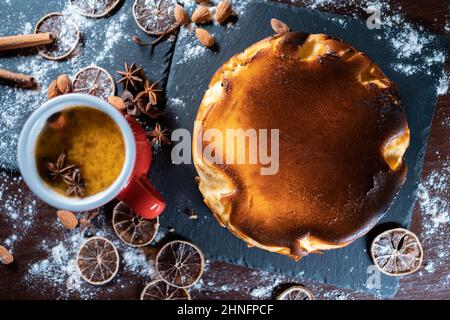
342 136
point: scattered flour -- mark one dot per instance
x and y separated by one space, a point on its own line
192 48
433 202
58 268
18 209
177 102
444 83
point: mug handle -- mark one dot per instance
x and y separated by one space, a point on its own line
142 198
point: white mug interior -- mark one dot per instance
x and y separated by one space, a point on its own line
27 151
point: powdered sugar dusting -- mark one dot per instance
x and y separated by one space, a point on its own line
58 269
433 201
192 48
17 207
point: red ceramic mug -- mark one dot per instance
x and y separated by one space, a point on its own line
132 186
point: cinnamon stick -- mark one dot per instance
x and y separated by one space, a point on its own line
23 80
25 41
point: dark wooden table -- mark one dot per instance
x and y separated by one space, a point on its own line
432 14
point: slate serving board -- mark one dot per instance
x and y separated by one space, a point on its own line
347 267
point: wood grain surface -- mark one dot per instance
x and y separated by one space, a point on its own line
432 14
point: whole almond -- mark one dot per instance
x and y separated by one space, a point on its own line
204 37
67 219
279 27
181 15
53 90
5 256
116 102
64 84
223 11
201 15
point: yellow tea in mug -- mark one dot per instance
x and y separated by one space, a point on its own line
80 151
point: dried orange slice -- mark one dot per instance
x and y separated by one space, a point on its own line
397 252
155 17
296 293
97 261
180 263
95 81
132 229
94 9
160 290
66 35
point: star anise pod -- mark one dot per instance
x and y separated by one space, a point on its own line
75 184
149 93
150 110
58 168
159 135
131 75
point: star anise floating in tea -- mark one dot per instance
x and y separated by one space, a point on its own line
131 75
58 168
75 184
70 175
159 135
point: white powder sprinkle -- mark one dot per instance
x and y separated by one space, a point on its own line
433 201
138 263
192 49
58 270
177 102
444 83
265 292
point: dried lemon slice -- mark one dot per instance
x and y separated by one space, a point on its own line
155 17
296 293
160 290
397 252
66 35
95 81
132 229
97 261
94 9
180 263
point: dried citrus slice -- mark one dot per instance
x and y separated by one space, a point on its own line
296 293
97 261
160 290
94 9
66 35
155 17
397 252
180 263
132 229
95 81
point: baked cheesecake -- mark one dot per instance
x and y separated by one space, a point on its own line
342 136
